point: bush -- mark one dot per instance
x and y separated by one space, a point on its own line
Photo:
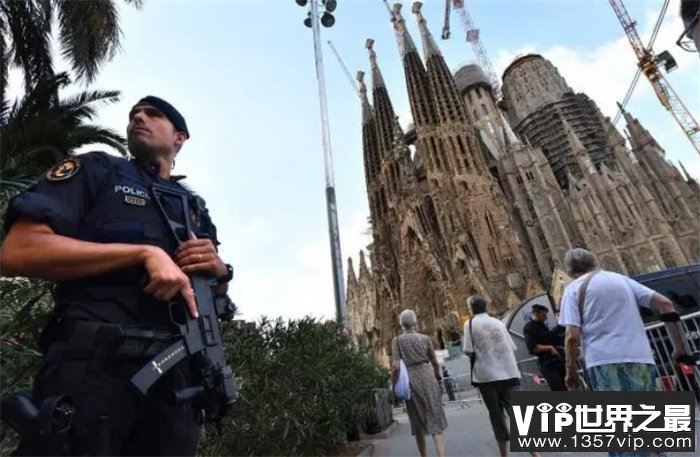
26 304
308 390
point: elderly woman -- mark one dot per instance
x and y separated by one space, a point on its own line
425 406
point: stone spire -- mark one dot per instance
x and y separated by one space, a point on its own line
640 138
405 41
352 278
430 48
367 111
422 105
450 105
370 146
382 104
364 270
578 150
688 178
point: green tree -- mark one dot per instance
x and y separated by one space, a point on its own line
42 128
88 35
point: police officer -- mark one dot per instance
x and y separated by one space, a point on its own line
92 226
548 346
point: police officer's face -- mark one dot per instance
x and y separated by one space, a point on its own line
540 315
151 134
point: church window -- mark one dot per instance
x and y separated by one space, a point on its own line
666 256
541 237
609 264
489 224
492 252
649 259
630 263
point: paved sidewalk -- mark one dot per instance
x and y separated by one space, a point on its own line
468 435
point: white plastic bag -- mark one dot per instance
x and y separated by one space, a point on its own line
402 388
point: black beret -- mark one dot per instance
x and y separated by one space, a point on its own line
536 308
168 110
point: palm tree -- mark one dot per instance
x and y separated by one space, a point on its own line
88 34
40 128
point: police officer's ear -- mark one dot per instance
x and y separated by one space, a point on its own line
180 138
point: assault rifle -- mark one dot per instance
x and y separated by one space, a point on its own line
199 338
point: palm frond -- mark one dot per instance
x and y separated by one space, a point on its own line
28 23
89 34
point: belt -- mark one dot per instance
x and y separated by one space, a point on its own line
416 364
114 340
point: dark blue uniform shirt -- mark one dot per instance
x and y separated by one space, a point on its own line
108 200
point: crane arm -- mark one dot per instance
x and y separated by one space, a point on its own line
345 69
479 50
647 62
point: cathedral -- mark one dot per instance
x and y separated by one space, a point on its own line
476 198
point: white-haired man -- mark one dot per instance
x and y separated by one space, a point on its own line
600 310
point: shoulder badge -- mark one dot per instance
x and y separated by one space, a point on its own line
64 170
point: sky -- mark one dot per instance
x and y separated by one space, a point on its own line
242 73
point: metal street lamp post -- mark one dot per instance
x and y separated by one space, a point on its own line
312 21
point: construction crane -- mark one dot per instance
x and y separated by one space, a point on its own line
345 69
648 63
474 39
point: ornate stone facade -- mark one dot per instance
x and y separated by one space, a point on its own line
463 205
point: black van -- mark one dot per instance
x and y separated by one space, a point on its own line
681 285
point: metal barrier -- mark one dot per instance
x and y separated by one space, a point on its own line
670 375
458 390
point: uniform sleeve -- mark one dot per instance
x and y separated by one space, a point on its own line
530 338
569 307
204 227
642 294
61 198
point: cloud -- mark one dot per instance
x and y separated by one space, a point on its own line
275 291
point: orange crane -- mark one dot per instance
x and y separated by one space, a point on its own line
648 63
474 39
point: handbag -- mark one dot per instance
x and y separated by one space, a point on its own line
472 355
402 388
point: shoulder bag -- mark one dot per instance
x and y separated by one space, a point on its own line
402 388
582 295
472 355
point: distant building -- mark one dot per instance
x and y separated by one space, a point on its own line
465 204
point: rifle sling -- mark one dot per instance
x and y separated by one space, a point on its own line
158 366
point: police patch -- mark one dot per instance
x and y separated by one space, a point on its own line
64 170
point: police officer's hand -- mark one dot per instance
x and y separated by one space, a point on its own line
167 279
199 255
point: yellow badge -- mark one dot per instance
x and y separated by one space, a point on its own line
64 170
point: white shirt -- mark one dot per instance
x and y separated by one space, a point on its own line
613 330
495 349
